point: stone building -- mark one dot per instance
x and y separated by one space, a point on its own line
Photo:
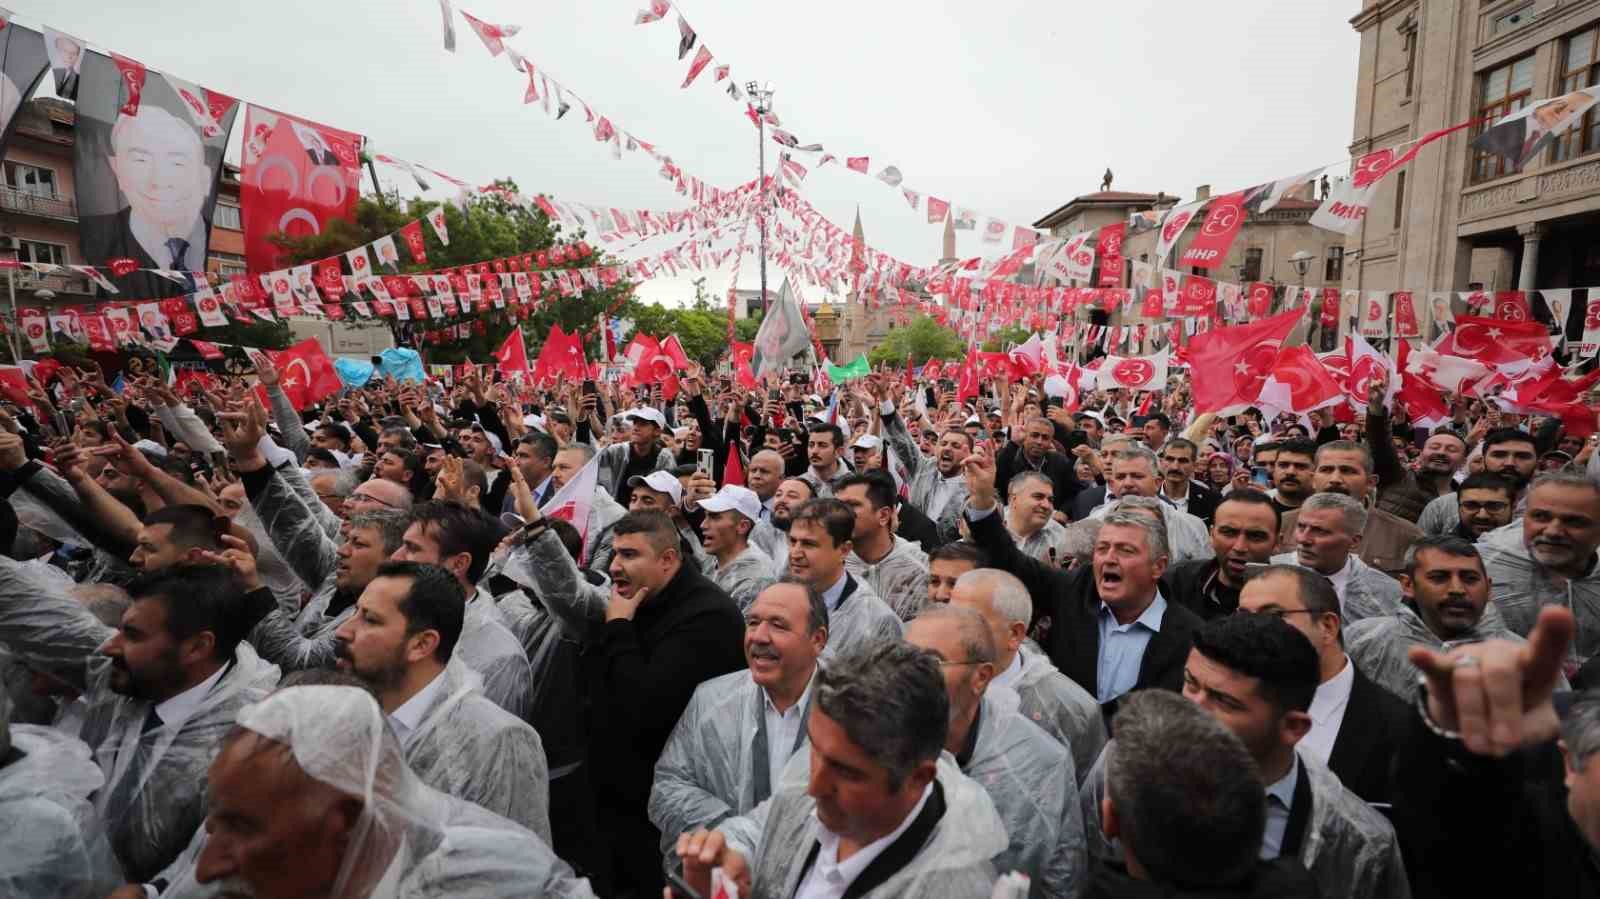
1454 218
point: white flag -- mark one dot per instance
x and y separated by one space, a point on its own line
435 218
210 311
574 500
1172 225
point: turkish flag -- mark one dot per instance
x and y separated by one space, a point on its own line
1222 223
743 375
967 384
305 373
1512 306
671 358
1495 341
1423 402
1152 307
1298 383
856 164
1230 364
1133 372
932 369
206 349
98 330
512 357
733 471
1362 364
1258 299
562 353
412 235
14 385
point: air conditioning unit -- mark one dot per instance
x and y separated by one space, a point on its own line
8 243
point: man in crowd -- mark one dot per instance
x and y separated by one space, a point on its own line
1485 502
160 691
1157 427
1027 775
712 767
741 570
946 565
667 630
1292 466
1244 533
937 485
1031 520
1136 472
1047 697
643 453
1035 452
1446 605
1550 560
1354 723
1402 491
1327 532
1507 452
877 782
763 477
772 536
820 542
1345 468
535 454
1178 486
1185 801
824 450
895 568
401 642
1111 630
1103 493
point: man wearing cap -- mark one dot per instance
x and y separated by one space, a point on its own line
867 452
741 570
895 568
642 454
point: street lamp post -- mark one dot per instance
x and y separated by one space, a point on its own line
1301 260
761 97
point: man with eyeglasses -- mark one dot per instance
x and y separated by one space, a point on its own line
377 495
1484 502
1355 724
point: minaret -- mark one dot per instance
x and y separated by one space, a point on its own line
949 240
855 304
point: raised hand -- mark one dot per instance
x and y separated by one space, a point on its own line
236 556
980 474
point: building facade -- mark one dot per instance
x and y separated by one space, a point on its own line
1454 219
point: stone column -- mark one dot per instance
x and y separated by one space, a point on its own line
1531 235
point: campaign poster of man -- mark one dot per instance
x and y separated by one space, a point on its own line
1528 132
22 64
149 149
66 61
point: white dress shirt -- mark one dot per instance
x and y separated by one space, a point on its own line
1009 677
1342 577
830 596
405 719
177 710
783 729
1327 713
829 877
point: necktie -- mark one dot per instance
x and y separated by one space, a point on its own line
179 248
119 808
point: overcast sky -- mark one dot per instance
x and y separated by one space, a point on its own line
1011 107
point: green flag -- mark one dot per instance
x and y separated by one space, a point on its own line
856 369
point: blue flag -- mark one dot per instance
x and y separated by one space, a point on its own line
403 364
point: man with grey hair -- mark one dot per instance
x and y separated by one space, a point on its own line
1346 468
1030 517
880 717
1047 697
1109 628
1136 472
1077 544
739 730
1327 533
1186 802
1029 776
1186 535
1550 558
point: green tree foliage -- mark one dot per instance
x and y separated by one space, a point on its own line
922 339
491 228
1012 336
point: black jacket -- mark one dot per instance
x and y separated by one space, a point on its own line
1279 878
1194 586
918 528
1011 462
1086 501
641 674
1203 501
1066 610
1476 826
1375 721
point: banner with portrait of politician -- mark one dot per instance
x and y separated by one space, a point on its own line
148 155
22 64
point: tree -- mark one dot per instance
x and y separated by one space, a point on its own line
744 330
703 332
922 339
1012 336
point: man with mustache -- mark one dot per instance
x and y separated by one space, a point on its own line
401 641
824 450
1326 535
1291 473
937 485
1244 532
1511 453
1346 468
771 535
1403 491
895 568
727 753
1485 501
1550 560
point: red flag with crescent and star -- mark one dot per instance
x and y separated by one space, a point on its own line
512 356
1230 364
1495 341
305 373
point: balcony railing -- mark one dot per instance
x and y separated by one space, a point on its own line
24 203
28 282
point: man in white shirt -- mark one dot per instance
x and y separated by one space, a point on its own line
1356 725
728 750
1030 511
763 476
819 543
1327 534
876 808
401 642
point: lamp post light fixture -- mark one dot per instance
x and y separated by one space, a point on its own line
1301 260
761 100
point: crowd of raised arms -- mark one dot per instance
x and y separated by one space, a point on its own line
872 642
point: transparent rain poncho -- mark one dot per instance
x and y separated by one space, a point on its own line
412 841
860 617
1378 646
52 842
715 763
488 647
899 578
955 862
1062 708
1368 592
745 577
1520 587
154 796
1349 848
295 636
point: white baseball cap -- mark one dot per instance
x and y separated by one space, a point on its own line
867 442
492 437
653 416
661 482
739 499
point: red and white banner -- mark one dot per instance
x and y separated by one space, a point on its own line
1405 315
1197 298
1512 306
1133 372
1375 314
1172 225
1346 206
205 302
435 218
296 176
1109 247
33 328
1222 223
1258 299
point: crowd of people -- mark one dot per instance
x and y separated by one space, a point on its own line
882 642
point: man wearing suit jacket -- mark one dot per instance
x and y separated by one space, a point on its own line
1178 486
1034 453
1106 626
1095 495
1356 725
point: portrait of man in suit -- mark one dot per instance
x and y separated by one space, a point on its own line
66 60
388 259
164 182
1521 139
317 148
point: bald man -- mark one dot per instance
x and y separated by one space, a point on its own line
163 178
763 477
